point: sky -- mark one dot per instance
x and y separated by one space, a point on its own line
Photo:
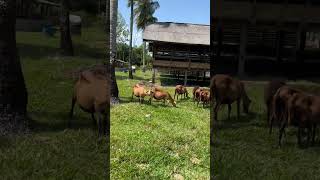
182 11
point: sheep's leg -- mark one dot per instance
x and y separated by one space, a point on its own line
174 96
71 111
216 109
314 133
229 111
105 124
270 125
100 130
309 129
299 135
238 109
93 119
142 100
281 131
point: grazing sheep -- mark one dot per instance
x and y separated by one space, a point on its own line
139 91
92 94
269 91
180 90
204 98
160 94
279 108
304 112
228 90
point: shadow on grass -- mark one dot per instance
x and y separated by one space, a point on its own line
235 123
56 121
41 51
122 77
36 52
154 103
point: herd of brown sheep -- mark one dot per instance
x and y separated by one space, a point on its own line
200 94
286 105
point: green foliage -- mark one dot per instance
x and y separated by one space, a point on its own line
144 11
122 30
158 141
123 54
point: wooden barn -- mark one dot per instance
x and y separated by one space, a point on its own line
265 37
179 48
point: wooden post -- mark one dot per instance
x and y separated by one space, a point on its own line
243 47
185 77
153 75
219 35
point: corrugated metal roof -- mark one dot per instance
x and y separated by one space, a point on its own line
178 33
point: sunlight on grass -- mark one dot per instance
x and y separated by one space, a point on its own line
158 141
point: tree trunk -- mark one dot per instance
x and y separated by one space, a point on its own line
144 57
66 46
113 43
108 74
130 50
13 93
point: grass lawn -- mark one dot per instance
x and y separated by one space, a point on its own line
245 150
51 150
173 142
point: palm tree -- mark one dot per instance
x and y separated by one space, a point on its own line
13 93
143 12
113 47
144 16
131 4
66 46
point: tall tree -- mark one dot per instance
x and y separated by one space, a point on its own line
131 4
13 93
66 46
113 47
144 11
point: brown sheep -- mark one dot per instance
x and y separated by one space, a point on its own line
269 91
92 94
228 90
194 92
180 90
197 93
279 108
139 91
160 94
304 112
204 97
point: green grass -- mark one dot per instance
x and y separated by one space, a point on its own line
245 150
52 150
172 141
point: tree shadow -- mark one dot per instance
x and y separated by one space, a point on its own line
36 51
33 51
234 123
58 121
